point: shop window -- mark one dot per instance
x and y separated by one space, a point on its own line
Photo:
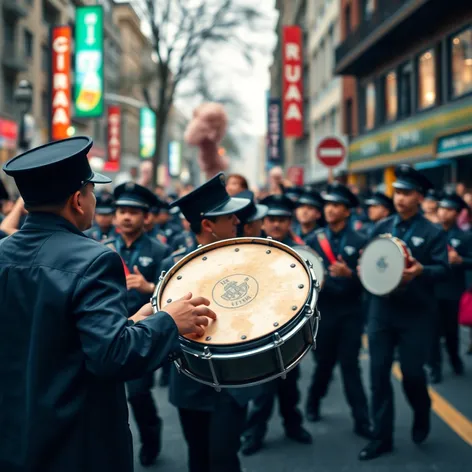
391 96
427 79
370 106
405 90
461 68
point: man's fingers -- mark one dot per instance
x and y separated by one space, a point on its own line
199 301
204 311
202 321
188 296
199 331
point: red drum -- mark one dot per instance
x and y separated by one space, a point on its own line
382 264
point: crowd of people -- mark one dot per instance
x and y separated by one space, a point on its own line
151 229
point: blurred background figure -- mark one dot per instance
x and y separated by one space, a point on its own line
430 206
145 174
235 184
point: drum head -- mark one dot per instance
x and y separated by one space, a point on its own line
381 266
255 286
316 261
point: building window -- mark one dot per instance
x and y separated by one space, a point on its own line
45 58
8 34
348 110
45 104
28 44
391 96
8 91
370 106
461 63
49 13
426 80
368 8
405 89
347 19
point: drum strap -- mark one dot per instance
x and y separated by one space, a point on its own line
326 246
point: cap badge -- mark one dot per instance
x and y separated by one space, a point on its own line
222 180
129 186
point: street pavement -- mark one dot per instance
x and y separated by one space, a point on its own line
335 447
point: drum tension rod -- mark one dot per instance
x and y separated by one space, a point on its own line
278 341
208 355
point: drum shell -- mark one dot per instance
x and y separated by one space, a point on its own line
250 367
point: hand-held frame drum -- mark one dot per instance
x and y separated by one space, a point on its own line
264 295
382 264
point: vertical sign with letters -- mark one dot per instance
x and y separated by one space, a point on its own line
60 82
292 78
114 139
275 143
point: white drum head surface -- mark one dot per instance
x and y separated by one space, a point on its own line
381 266
316 261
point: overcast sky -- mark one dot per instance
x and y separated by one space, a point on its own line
234 76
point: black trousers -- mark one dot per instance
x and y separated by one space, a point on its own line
213 438
145 410
447 327
412 335
339 339
288 395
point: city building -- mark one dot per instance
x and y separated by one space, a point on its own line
292 12
325 89
408 92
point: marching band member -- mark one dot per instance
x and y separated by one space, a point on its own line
339 337
450 291
66 344
430 206
103 227
251 217
211 421
276 225
308 213
404 319
142 257
379 206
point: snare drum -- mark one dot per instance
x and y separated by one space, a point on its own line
264 295
382 264
313 258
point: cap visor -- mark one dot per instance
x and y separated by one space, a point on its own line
404 185
261 212
336 199
277 212
309 201
233 205
104 211
99 179
372 201
448 204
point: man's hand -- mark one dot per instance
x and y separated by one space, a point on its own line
454 257
191 315
138 282
339 269
412 272
142 313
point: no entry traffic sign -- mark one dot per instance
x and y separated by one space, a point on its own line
331 151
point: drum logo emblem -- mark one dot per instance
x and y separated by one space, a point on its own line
382 264
235 291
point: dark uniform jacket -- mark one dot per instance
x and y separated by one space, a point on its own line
186 239
455 285
146 253
340 293
3 234
65 349
96 233
428 246
187 393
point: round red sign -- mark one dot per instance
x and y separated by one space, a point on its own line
331 151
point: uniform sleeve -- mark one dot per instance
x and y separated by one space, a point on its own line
437 268
111 347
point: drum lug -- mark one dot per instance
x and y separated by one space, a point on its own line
178 366
278 341
208 355
161 277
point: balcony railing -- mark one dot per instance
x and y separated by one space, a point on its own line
14 9
386 10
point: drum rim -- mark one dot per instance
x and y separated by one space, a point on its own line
254 343
381 237
308 248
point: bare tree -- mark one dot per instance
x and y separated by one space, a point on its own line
180 31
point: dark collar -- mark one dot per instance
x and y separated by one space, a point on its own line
399 222
40 221
135 243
